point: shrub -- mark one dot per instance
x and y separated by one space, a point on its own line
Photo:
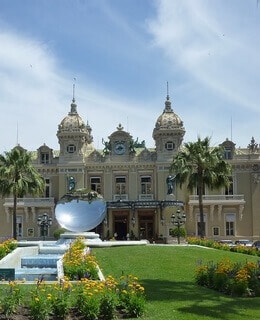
178 232
230 278
61 299
90 307
7 247
10 299
78 263
91 299
108 304
216 245
58 232
40 303
131 296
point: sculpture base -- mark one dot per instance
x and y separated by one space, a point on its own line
170 197
93 240
84 235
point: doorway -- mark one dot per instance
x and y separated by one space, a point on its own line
146 227
121 226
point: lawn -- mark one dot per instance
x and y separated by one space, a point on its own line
167 273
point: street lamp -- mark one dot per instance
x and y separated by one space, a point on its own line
44 222
178 220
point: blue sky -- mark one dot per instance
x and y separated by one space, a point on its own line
122 53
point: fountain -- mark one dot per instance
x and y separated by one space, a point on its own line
78 212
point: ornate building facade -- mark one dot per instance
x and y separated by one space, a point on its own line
132 179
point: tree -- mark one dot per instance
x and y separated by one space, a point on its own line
178 232
18 178
200 165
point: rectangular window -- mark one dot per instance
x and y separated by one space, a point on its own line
47 188
229 190
227 154
95 184
19 226
146 185
215 231
45 158
120 185
230 224
229 228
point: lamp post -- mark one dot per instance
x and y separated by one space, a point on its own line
44 222
178 220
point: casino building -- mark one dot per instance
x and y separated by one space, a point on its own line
132 179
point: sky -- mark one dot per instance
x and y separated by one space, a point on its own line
120 54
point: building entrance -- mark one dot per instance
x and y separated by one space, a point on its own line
146 227
121 226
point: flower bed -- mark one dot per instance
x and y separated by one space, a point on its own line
230 278
6 247
216 245
79 263
79 295
83 299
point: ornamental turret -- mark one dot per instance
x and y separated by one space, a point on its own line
168 132
74 136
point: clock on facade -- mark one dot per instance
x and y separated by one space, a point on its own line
120 148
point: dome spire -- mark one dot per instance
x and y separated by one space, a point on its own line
73 90
168 103
73 106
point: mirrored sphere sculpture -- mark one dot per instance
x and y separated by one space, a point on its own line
80 210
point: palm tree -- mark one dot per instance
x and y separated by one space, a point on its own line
200 165
18 177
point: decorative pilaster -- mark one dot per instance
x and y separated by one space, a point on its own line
219 211
7 211
191 212
211 212
26 210
33 213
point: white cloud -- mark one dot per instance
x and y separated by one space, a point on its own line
216 45
36 96
30 91
209 56
195 36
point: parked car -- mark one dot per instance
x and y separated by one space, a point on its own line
256 245
243 242
226 242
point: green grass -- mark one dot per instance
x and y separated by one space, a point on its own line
167 273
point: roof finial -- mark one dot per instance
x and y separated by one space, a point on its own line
73 106
73 96
168 107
